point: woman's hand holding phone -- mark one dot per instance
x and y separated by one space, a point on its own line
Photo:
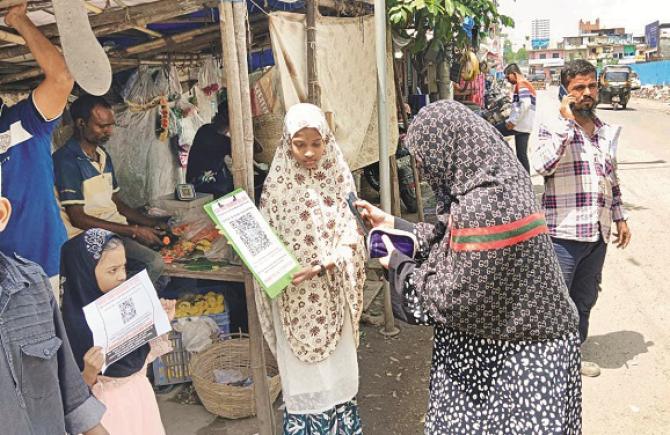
373 216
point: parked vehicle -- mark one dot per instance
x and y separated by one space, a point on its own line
538 80
615 85
405 176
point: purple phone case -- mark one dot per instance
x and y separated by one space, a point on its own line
402 243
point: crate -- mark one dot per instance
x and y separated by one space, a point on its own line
173 367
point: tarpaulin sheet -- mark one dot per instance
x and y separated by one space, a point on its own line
347 75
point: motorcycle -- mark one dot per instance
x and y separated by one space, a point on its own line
405 177
497 104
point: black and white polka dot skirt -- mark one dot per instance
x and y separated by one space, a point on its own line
481 386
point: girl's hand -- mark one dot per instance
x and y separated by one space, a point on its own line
94 359
373 216
169 305
306 274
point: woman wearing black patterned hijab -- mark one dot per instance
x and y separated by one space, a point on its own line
506 350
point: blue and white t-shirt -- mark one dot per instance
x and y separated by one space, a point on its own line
35 230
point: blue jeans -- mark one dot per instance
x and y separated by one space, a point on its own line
520 142
582 266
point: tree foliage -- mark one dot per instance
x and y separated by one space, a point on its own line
416 20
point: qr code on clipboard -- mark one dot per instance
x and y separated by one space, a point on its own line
128 310
251 233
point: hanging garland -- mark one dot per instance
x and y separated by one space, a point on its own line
164 119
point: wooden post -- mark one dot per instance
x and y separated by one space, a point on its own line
313 88
396 209
240 20
419 192
234 92
241 168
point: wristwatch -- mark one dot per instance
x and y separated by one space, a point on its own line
322 270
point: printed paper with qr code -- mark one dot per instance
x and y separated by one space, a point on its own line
126 318
261 250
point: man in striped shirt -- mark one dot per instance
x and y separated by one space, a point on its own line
582 195
520 121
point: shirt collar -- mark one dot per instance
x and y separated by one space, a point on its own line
599 125
11 278
74 145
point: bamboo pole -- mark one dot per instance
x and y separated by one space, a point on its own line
117 20
12 38
240 19
383 129
241 166
206 33
97 11
313 88
395 188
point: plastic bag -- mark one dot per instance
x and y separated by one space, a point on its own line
196 332
210 76
232 377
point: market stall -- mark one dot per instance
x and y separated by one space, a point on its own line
167 58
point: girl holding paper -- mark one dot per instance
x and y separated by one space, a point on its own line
92 264
312 327
506 349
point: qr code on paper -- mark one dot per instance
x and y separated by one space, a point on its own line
128 311
251 233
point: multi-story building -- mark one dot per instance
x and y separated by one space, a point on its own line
540 33
657 37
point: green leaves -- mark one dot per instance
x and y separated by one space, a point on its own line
506 21
443 18
449 7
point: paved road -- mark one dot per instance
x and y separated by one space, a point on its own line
630 325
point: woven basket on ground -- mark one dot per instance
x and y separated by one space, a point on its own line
226 400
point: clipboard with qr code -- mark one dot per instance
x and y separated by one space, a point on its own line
262 252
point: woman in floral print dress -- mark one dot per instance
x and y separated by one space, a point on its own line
312 327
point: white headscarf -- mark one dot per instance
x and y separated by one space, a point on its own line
308 210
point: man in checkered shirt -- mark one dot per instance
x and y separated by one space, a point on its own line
582 195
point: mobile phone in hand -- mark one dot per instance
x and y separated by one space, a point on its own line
562 92
351 200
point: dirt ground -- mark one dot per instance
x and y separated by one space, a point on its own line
629 335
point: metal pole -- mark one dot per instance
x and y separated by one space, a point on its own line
384 167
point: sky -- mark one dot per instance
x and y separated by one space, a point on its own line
565 15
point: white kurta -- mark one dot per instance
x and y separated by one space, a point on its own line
313 388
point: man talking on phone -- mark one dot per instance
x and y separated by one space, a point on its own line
582 195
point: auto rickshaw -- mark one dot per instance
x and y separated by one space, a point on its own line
615 85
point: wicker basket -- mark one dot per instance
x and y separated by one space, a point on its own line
226 400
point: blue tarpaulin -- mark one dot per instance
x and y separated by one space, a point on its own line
257 60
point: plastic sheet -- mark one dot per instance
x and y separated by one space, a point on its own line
197 228
145 166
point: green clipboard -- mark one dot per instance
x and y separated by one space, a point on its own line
274 288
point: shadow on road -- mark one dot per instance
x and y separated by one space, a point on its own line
616 349
611 109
